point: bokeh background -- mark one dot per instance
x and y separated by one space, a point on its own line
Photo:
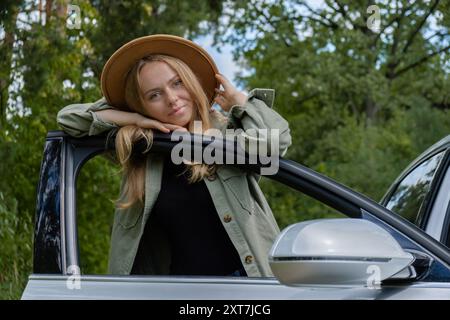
364 85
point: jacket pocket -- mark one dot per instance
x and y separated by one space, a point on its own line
236 182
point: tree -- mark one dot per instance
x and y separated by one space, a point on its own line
9 11
46 65
311 53
361 103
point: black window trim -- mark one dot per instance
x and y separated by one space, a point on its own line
434 189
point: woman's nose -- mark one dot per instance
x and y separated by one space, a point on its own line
172 96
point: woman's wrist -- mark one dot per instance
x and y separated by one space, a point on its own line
241 98
137 118
229 96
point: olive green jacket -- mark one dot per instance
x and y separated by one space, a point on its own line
239 202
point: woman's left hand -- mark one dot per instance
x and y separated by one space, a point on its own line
230 96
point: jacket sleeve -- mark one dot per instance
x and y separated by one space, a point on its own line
79 120
257 113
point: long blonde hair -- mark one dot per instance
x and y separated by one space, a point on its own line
134 166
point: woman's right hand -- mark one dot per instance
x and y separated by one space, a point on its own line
148 123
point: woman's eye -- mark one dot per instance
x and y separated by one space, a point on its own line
178 83
154 95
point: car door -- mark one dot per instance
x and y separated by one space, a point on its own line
57 275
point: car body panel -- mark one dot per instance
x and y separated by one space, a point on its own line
217 288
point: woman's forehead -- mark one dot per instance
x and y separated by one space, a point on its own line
155 74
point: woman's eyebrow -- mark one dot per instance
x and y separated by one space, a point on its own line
174 77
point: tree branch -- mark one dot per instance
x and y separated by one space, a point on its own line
307 98
438 33
397 19
420 61
26 22
419 26
344 14
271 23
330 24
393 61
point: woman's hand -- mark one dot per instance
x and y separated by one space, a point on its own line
230 96
125 118
148 123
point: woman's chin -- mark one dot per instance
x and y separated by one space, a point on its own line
181 121
183 124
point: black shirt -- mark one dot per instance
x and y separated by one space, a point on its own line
199 243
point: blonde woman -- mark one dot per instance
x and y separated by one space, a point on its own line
192 218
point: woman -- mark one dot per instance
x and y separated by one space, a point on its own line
193 218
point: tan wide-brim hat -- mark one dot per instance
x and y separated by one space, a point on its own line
116 68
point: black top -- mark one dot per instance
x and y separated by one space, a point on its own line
199 243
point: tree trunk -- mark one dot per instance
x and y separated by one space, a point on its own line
371 110
6 52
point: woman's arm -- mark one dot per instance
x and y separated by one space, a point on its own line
80 120
117 117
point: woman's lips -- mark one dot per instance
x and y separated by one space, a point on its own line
177 111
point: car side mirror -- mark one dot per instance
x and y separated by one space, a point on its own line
336 252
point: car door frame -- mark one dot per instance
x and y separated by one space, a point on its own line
441 172
74 152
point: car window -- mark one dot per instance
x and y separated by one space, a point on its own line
410 195
291 206
97 188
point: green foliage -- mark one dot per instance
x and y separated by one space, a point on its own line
289 206
361 105
44 67
368 159
97 190
16 234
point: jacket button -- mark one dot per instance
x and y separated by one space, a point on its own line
248 259
227 218
211 177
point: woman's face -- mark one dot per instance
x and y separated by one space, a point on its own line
166 99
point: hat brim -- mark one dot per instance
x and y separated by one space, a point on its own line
116 68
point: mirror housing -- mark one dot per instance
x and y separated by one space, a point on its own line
336 252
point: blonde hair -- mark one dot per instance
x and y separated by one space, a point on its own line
134 166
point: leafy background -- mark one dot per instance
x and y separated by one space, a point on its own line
361 104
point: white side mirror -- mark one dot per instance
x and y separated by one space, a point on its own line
336 252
